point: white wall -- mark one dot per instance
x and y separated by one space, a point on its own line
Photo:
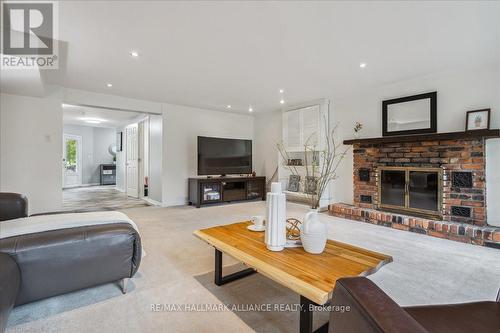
181 127
267 134
31 149
155 158
82 97
458 92
103 139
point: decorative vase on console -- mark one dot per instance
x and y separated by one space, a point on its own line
275 236
313 233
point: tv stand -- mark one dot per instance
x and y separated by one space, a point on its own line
205 191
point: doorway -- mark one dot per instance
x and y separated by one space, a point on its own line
118 140
72 160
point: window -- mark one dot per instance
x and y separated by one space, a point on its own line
71 147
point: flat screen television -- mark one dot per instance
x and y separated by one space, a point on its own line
220 156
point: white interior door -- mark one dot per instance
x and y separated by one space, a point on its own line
132 159
72 160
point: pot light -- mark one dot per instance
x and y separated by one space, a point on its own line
282 91
109 85
250 109
228 106
69 106
282 101
362 65
134 54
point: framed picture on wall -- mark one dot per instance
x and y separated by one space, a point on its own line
477 120
294 183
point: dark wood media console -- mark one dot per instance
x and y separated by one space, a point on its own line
205 191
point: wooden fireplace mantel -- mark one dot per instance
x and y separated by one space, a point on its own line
480 134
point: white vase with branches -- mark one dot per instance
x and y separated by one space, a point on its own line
320 172
320 164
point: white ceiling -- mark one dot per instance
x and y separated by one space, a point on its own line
210 54
79 115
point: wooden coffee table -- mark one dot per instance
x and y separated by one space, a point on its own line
312 276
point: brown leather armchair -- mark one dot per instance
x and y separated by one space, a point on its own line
373 311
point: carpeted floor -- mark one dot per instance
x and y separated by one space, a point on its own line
178 270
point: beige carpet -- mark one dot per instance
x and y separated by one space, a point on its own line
178 270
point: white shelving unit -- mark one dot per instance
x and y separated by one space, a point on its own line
303 124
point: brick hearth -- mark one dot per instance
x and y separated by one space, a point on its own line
479 235
463 207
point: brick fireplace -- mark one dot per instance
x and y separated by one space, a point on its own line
432 184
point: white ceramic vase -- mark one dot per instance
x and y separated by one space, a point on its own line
275 236
313 233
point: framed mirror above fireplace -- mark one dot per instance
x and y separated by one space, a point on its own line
416 114
411 190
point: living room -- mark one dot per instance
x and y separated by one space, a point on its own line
343 151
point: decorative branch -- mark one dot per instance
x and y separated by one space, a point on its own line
329 159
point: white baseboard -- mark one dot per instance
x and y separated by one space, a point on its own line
151 201
92 184
81 185
120 189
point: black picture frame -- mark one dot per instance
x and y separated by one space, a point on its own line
469 113
433 114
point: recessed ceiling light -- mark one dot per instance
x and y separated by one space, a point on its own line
250 109
91 120
282 101
134 54
228 106
282 91
109 85
69 106
362 65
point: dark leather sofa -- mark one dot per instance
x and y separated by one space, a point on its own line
50 263
373 311
10 280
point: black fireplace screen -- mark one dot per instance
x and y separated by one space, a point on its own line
410 189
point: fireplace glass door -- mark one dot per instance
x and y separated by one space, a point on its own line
393 188
423 190
410 189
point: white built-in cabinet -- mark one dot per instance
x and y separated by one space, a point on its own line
300 127
303 125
